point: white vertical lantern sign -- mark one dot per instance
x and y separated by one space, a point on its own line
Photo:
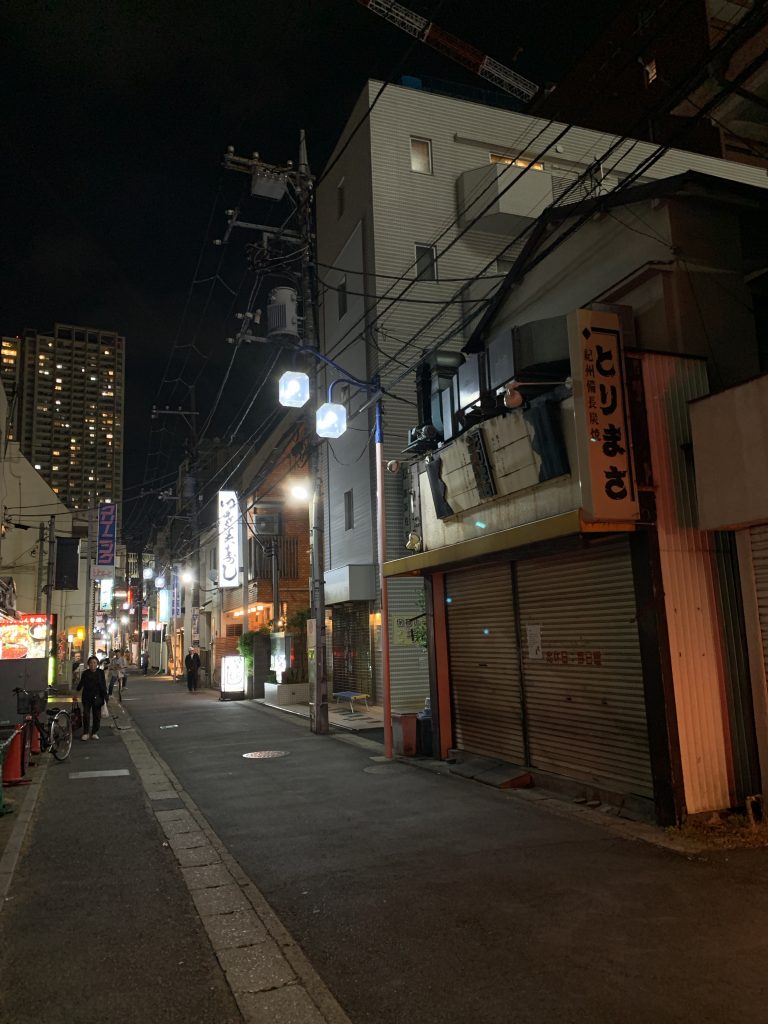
229 540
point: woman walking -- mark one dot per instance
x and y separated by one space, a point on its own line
94 687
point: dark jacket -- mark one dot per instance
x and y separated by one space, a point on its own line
94 686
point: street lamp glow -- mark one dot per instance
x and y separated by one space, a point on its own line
147 573
187 576
160 582
300 492
124 620
331 420
293 389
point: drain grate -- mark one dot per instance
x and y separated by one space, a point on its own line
261 755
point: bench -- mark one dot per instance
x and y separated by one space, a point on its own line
352 696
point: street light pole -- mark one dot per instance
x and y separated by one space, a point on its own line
382 552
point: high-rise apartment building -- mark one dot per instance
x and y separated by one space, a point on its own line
67 393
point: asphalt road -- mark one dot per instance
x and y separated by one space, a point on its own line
425 898
98 925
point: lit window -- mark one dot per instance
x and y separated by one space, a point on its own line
38 466
512 161
426 263
421 156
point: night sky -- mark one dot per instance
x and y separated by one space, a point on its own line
115 119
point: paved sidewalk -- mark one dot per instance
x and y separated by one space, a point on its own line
125 900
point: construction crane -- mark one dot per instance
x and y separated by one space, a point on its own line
453 47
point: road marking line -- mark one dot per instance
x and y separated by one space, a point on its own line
99 775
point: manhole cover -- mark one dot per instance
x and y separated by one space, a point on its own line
260 755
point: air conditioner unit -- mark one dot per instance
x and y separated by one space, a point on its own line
422 439
267 524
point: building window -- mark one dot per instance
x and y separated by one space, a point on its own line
651 74
421 156
426 263
340 200
341 297
349 511
515 161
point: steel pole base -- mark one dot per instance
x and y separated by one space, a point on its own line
318 719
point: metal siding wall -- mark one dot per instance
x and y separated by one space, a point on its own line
585 721
485 668
408 663
349 456
746 767
689 576
758 536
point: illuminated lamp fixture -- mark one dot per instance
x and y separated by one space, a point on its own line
331 420
293 389
187 576
147 574
160 582
414 542
512 397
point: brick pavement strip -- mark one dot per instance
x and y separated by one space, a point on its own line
270 978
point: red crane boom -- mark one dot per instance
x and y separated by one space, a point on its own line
501 76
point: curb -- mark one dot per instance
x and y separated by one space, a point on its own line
12 851
265 968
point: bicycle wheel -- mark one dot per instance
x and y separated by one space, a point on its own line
61 736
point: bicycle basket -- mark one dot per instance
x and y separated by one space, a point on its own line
31 702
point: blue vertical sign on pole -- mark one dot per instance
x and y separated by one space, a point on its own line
175 595
106 543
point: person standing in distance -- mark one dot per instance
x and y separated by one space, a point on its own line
94 687
192 665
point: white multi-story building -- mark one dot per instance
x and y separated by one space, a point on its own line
423 208
67 390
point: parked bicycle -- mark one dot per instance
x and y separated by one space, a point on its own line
56 733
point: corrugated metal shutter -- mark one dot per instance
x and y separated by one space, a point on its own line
408 661
584 688
758 536
352 647
485 668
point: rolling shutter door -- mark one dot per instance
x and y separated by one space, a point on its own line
758 536
584 686
352 648
485 670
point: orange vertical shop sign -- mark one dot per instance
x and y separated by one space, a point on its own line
602 432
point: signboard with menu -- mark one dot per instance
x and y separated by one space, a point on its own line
25 637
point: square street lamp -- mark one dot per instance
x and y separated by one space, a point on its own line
331 420
293 389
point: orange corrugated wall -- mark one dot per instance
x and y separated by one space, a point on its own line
690 585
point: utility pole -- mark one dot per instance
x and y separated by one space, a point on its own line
269 181
40 567
319 705
49 586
